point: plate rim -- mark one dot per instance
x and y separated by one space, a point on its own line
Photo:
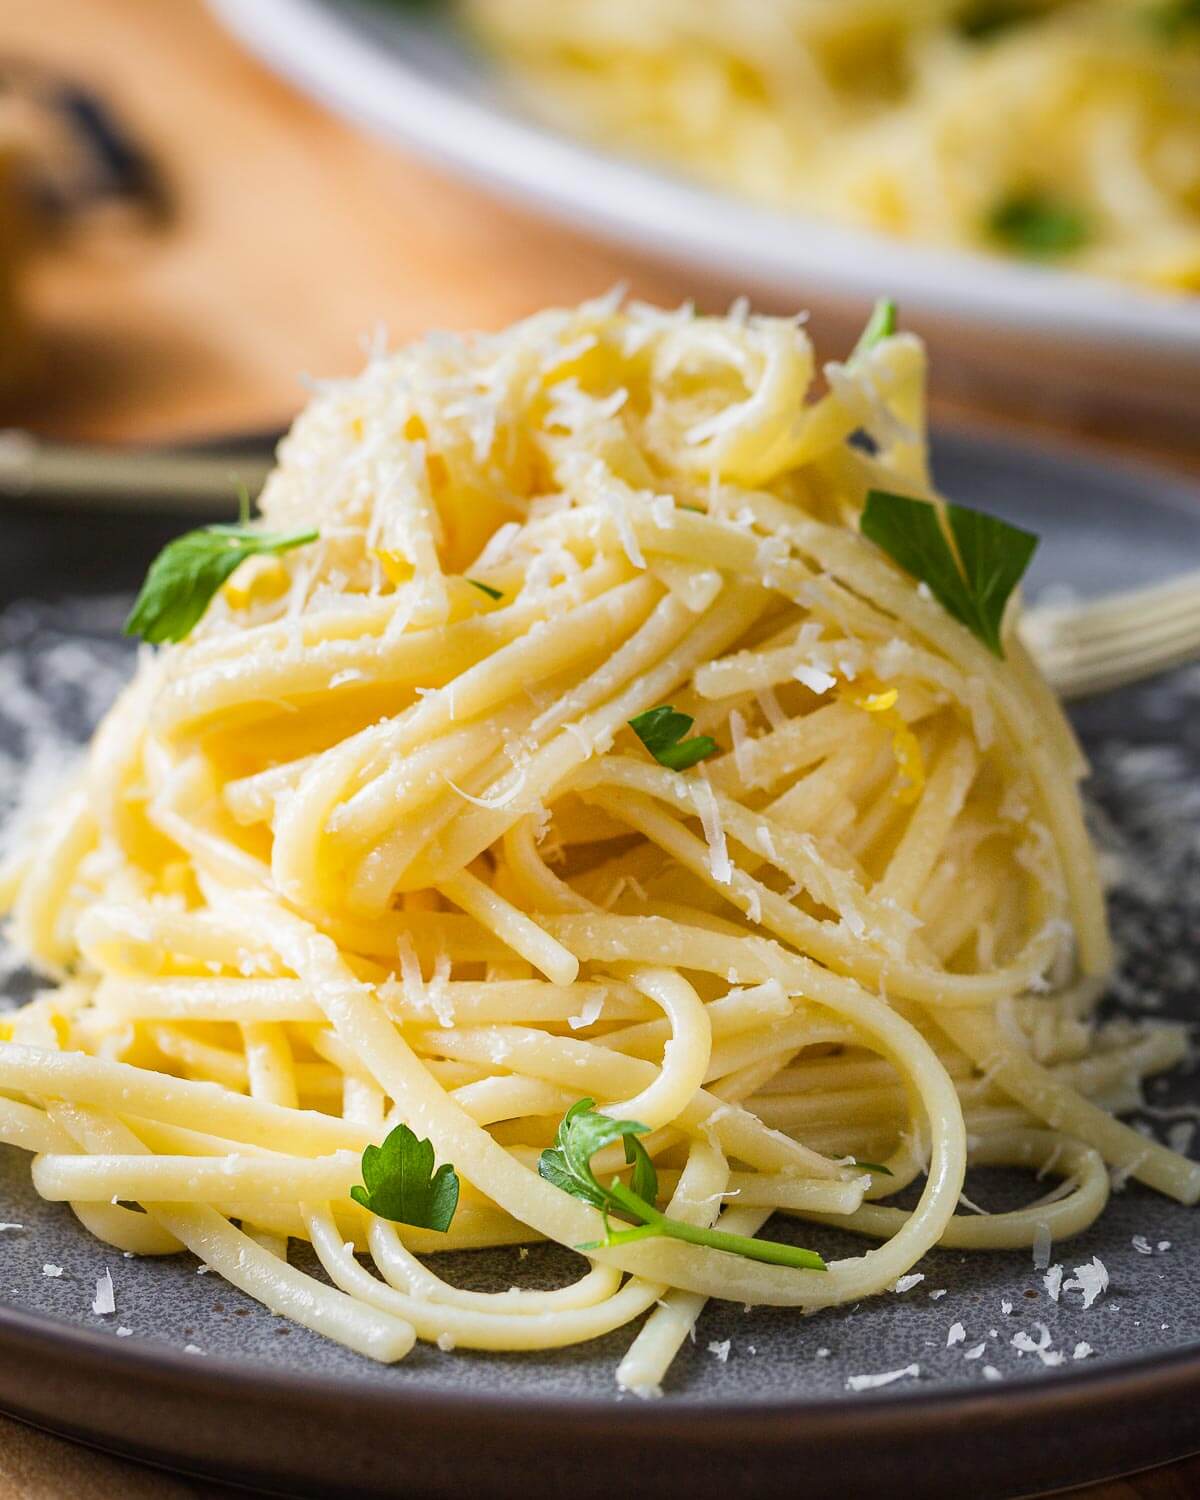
150 1384
670 218
151 1357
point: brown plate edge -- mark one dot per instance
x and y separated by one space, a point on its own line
320 1436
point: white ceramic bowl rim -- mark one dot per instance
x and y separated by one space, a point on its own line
436 111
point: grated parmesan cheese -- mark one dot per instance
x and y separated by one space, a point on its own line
710 821
589 1012
814 679
743 748
906 1283
501 800
1023 1343
437 993
1091 1279
105 1301
888 1377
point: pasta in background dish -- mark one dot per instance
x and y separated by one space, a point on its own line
594 716
1067 133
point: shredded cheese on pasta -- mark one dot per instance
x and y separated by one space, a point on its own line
374 846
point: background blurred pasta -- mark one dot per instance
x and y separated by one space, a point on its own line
1058 131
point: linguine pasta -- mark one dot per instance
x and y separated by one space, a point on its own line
377 844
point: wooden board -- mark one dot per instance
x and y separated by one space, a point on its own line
292 238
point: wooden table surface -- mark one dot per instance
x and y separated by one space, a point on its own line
290 237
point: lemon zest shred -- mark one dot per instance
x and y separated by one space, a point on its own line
394 564
256 581
905 746
438 470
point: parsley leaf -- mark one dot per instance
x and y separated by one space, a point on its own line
984 19
880 325
186 574
973 586
1174 20
1034 224
567 1165
401 1184
581 1133
872 1166
485 588
644 1181
662 732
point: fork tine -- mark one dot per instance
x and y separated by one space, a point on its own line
1136 641
1118 639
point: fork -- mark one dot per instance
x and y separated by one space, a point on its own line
1116 639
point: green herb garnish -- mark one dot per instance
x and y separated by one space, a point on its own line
1174 20
185 575
581 1133
971 571
401 1184
485 588
567 1164
984 19
880 325
662 732
1036 225
872 1166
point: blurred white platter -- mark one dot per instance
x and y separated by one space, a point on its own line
1109 349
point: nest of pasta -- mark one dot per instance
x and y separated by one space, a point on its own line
562 747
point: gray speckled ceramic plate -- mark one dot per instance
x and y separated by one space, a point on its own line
257 1399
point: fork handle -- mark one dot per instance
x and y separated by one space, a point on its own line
97 478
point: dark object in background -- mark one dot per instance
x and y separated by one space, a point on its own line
73 151
66 161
